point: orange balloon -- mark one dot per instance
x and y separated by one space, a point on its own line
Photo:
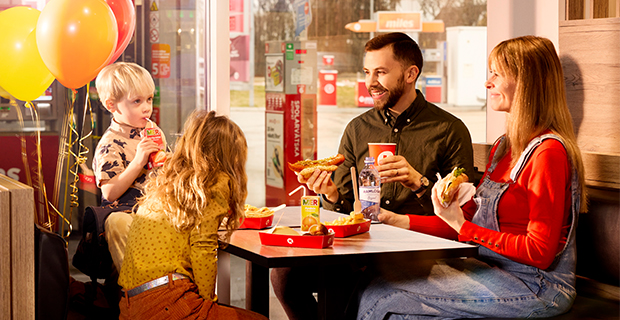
76 39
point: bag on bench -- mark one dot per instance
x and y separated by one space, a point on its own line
92 256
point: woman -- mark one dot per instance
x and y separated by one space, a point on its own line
524 213
170 267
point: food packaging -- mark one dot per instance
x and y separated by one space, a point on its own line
379 151
310 211
346 230
257 223
291 240
156 159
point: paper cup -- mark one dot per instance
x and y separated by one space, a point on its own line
381 150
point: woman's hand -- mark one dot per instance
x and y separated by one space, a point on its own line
397 169
452 215
393 219
321 183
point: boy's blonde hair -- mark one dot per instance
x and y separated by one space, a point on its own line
123 79
539 101
210 145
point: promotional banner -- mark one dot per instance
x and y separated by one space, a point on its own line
240 58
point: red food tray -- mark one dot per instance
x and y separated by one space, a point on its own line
341 231
286 240
257 223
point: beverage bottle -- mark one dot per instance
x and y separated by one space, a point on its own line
370 189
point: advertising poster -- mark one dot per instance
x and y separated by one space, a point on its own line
274 78
240 58
274 152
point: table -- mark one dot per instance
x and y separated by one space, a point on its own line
381 242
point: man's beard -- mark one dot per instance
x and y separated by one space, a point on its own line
393 94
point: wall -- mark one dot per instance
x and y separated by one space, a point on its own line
514 18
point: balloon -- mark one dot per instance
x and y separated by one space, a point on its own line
76 39
5 94
22 71
125 15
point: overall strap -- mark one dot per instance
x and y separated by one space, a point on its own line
500 145
527 153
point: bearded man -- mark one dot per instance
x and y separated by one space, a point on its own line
428 139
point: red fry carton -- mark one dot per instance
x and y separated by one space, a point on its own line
257 223
302 241
345 230
156 159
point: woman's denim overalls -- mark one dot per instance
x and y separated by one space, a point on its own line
489 286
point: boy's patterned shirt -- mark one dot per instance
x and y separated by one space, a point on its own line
114 152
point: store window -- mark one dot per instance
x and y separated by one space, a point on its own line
452 35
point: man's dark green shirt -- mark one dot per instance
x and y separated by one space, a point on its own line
430 138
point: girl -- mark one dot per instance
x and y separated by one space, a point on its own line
170 267
523 216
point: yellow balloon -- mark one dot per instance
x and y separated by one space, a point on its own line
5 94
22 71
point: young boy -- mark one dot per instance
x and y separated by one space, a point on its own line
126 90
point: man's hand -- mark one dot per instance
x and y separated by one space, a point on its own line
397 169
321 183
144 149
452 215
393 219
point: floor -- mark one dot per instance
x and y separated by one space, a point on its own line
331 121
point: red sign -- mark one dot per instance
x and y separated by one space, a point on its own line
235 22
235 5
12 166
160 60
240 59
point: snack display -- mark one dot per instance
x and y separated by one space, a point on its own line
306 167
449 184
257 218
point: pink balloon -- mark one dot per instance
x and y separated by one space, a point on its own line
125 14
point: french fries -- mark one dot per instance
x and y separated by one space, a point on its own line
254 212
354 218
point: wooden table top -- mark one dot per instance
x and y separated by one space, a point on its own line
381 241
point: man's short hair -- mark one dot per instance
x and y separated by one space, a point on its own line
405 50
122 79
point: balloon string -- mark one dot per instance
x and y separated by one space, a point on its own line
23 140
41 183
62 170
37 178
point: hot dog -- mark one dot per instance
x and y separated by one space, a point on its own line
450 183
306 167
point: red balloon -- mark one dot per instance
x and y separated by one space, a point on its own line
125 14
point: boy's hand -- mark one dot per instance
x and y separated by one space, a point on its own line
144 149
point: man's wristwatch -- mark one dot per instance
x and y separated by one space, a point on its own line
423 185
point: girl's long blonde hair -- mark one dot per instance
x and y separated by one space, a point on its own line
539 101
210 145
